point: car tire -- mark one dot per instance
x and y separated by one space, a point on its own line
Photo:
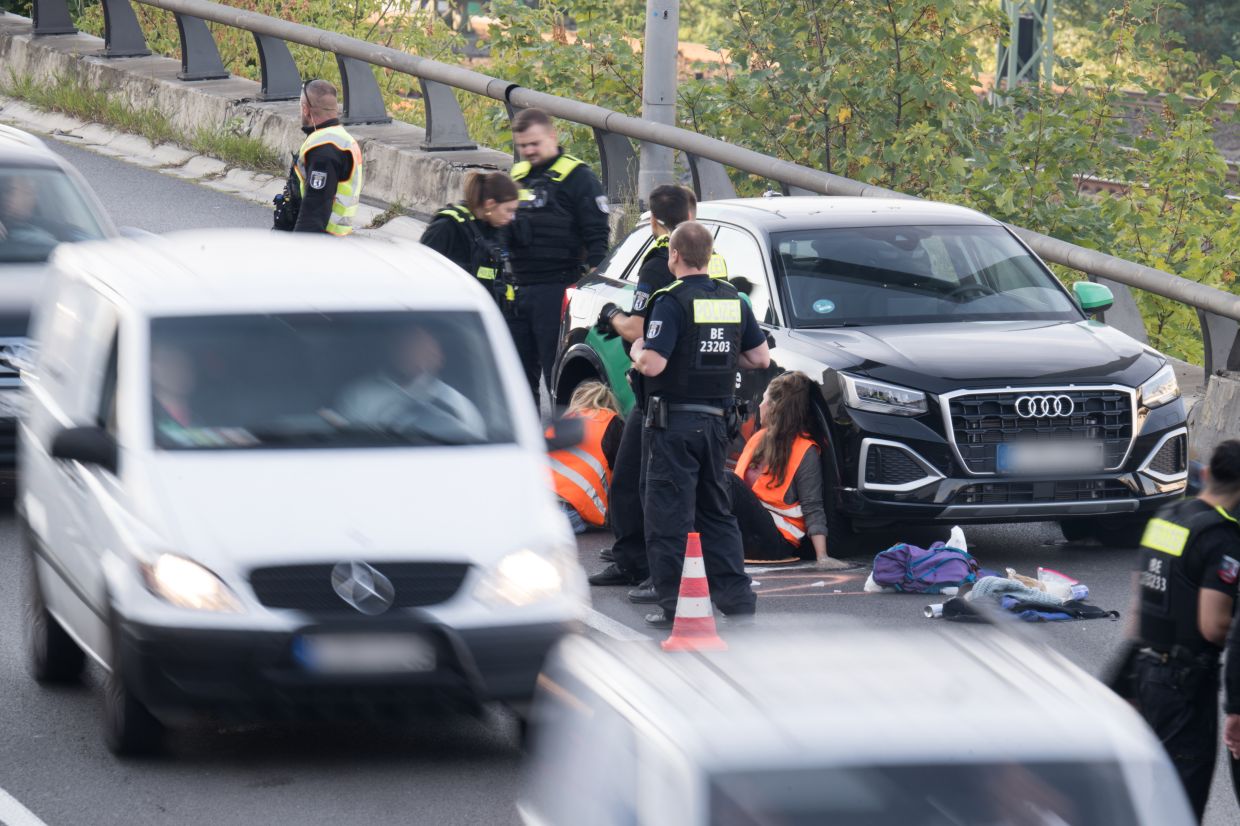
129 728
842 536
52 656
1108 531
1077 530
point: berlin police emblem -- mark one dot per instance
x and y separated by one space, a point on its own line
318 180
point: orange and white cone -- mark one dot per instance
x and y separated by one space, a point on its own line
694 626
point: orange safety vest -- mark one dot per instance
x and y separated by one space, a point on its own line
581 474
788 518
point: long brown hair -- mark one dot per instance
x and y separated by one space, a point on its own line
789 415
483 186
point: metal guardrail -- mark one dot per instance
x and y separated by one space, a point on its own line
1218 311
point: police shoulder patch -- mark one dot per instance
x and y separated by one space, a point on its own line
1228 570
603 206
318 180
640 300
654 329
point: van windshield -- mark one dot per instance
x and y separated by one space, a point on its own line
356 379
39 208
857 276
991 794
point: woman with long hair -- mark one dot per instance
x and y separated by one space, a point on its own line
582 475
777 490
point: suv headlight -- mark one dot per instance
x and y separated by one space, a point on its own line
880 397
186 584
523 578
1160 389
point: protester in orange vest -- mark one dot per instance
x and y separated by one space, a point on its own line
582 474
777 490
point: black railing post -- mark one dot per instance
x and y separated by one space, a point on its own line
51 17
619 165
710 179
200 58
363 102
1220 340
122 36
280 78
445 122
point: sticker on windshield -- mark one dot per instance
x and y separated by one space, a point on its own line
823 306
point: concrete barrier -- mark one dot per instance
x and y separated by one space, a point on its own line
397 171
1216 417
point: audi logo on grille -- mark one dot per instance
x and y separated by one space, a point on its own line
1041 407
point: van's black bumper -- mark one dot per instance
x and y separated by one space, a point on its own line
255 675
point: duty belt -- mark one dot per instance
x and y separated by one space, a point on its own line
697 408
1180 655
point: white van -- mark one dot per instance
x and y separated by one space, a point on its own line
844 726
268 476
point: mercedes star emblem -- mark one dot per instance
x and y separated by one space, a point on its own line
1041 407
363 587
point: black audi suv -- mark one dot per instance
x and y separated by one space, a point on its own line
961 381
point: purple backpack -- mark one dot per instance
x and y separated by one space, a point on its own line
919 571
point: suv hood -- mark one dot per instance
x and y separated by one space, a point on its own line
942 357
234 510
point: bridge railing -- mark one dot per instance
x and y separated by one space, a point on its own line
446 131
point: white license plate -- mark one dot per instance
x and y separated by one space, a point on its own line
1049 458
365 653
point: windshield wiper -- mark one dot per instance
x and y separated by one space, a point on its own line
831 325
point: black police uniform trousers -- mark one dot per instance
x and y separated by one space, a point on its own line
625 501
535 327
685 482
1180 702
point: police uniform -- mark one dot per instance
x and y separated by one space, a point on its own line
701 326
474 246
1187 547
325 182
561 225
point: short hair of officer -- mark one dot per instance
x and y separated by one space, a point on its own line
692 244
1224 469
671 205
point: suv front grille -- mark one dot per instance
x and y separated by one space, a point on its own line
309 587
982 421
1016 493
891 466
1171 458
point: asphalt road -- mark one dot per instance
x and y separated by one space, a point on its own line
445 771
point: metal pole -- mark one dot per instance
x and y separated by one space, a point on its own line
659 68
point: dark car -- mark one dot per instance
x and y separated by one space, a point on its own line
961 382
44 201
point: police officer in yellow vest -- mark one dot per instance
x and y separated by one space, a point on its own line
325 182
1187 571
473 233
561 231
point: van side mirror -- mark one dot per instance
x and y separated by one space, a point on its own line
1093 298
565 433
88 445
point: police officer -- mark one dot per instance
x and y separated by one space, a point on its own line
561 229
472 234
670 206
697 334
1188 566
325 182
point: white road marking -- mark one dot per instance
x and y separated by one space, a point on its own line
616 630
13 813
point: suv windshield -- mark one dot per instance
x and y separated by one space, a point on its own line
354 379
913 275
39 208
1037 794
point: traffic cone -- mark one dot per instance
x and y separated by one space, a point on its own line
694 625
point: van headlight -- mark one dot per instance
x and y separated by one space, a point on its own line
880 397
186 584
1160 389
523 578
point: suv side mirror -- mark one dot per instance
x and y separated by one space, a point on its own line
88 445
1093 298
565 433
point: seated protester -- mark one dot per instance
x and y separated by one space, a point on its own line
472 233
582 474
777 490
